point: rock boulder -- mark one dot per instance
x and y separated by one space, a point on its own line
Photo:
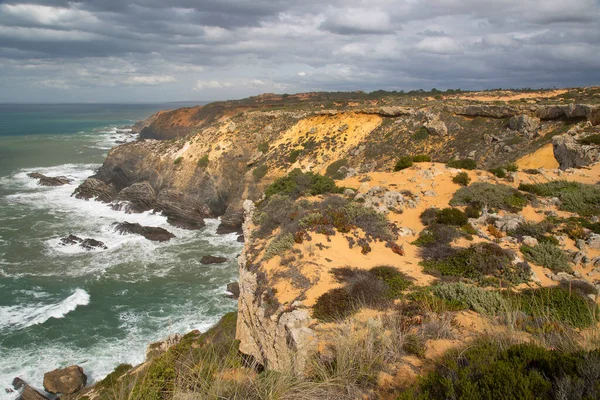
44 180
93 188
65 381
149 232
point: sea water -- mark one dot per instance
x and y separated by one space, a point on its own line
63 305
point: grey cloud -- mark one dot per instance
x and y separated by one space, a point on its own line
213 49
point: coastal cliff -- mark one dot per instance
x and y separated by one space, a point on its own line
381 234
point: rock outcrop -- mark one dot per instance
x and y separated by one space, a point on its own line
277 341
93 188
140 197
65 381
149 232
570 153
525 124
213 260
88 244
44 180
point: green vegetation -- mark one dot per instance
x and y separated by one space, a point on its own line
279 245
451 216
203 162
477 299
177 161
298 183
263 147
555 304
375 288
421 158
466 163
476 262
421 134
260 172
494 196
498 172
462 178
591 140
294 154
437 235
547 255
333 168
524 371
580 198
403 163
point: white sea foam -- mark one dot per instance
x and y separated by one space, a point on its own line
19 317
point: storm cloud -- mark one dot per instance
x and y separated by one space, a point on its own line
153 50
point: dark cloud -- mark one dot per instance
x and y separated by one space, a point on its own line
183 49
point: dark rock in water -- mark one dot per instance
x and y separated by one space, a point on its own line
241 239
88 244
232 220
141 197
213 260
65 381
180 210
30 393
149 232
94 188
50 180
234 289
18 383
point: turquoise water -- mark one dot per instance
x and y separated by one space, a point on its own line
62 305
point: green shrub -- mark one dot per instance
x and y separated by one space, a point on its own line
333 168
477 299
494 196
476 262
590 140
396 281
462 178
467 163
111 379
557 304
473 210
498 172
260 172
532 171
421 134
414 344
436 235
451 216
263 147
279 245
403 163
580 198
159 379
524 371
421 158
333 305
547 255
297 184
294 154
177 161
512 167
203 162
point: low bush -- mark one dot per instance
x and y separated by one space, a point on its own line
494 196
421 158
260 172
524 371
466 163
547 255
476 262
477 299
294 154
498 172
473 210
414 344
462 178
532 171
555 304
580 198
451 216
263 147
334 305
403 163
333 168
298 183
421 134
177 161
512 167
436 235
203 162
396 281
591 140
279 245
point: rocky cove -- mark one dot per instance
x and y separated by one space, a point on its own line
222 160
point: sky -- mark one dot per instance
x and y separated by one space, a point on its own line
179 50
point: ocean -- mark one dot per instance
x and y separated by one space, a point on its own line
62 305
